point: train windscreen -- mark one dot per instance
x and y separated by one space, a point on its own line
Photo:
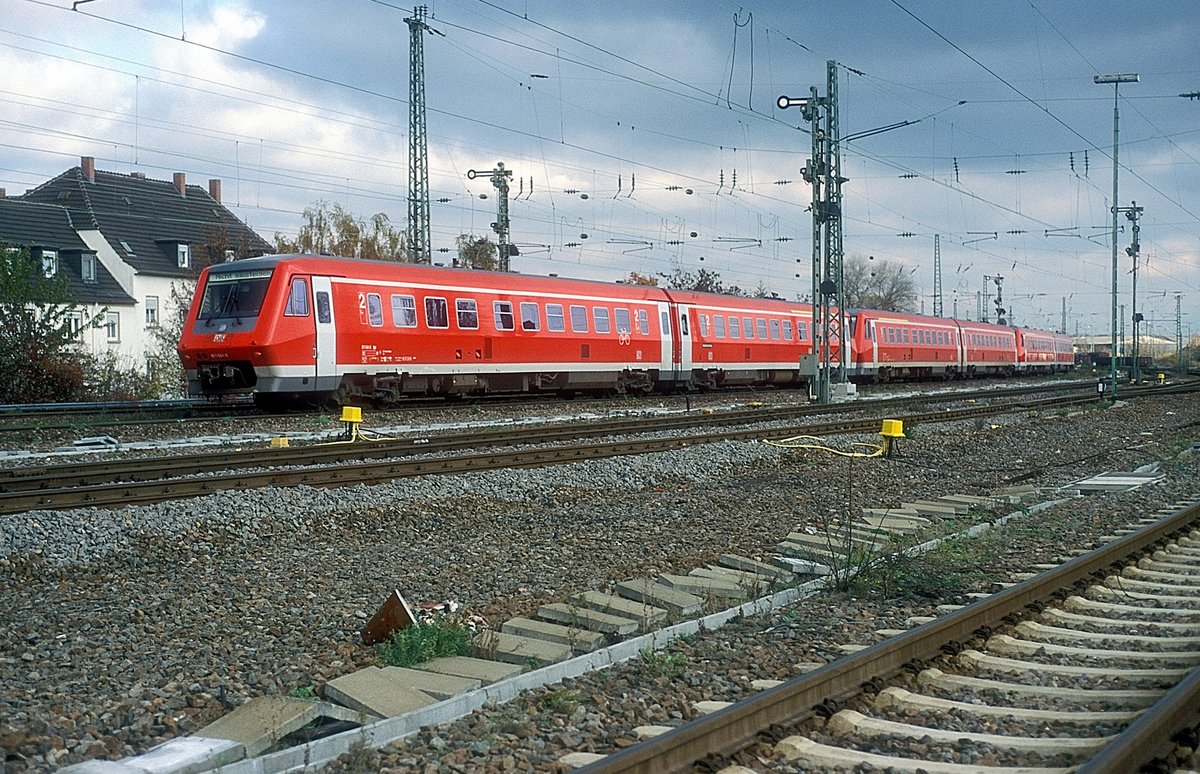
233 295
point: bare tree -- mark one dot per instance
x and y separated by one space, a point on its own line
877 284
637 278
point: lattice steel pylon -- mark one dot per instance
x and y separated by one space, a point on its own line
937 275
419 250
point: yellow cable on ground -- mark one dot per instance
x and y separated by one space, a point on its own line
789 443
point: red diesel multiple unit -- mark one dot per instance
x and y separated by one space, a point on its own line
300 329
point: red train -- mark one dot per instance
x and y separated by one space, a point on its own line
303 329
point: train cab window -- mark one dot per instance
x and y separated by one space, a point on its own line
404 311
704 325
787 330
643 319
530 319
502 313
761 327
748 327
554 318
775 329
579 322
600 316
297 303
374 310
324 309
467 312
735 329
622 319
436 312
719 325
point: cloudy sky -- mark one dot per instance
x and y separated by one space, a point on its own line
644 136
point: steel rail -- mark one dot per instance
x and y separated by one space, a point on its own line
717 736
31 477
143 492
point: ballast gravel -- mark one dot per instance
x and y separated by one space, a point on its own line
122 629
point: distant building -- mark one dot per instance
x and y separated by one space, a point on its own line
123 241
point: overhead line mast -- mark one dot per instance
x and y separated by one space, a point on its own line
419 250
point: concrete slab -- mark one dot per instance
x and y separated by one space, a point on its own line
934 509
649 616
649 732
578 640
735 562
587 618
577 760
678 603
515 649
864 538
849 721
436 685
833 758
821 555
485 671
704 587
753 585
261 722
804 566
372 692
181 755
888 524
899 513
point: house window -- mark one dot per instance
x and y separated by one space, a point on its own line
49 263
74 323
151 311
87 267
184 254
112 326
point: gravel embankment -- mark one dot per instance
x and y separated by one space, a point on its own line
124 628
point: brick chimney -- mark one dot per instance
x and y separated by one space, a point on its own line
214 189
88 165
181 183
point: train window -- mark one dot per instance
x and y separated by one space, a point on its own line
297 303
664 323
404 311
735 330
704 325
554 318
748 327
622 318
234 295
324 312
775 329
579 319
683 323
467 312
374 310
787 330
437 314
719 326
801 330
600 316
904 333
643 318
530 319
502 313
761 327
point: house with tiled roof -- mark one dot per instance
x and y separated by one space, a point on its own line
125 242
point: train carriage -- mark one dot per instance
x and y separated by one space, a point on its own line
894 345
990 349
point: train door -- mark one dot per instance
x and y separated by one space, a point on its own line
325 344
668 367
684 342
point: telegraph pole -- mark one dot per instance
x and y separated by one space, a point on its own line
419 250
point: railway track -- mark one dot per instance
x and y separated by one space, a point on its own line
1087 667
150 480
